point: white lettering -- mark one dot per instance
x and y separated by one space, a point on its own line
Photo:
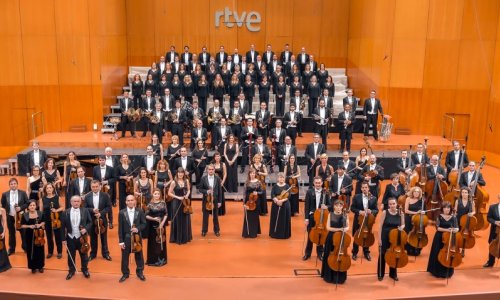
250 19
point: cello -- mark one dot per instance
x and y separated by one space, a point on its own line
434 190
467 225
494 247
422 169
337 259
318 233
364 236
449 256
481 198
396 256
417 237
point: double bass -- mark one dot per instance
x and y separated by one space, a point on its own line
494 248
318 233
434 190
449 256
467 225
396 256
481 198
338 259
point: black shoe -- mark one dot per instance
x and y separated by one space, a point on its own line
203 234
114 204
488 265
354 257
217 234
107 257
59 255
306 257
380 278
123 278
300 134
70 275
86 274
368 257
320 257
91 257
33 271
395 278
49 255
40 270
141 277
111 225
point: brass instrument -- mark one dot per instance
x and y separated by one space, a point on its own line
172 117
215 117
385 128
154 119
302 105
235 119
133 114
197 116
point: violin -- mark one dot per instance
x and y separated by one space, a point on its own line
187 203
39 235
294 183
209 204
318 233
417 237
467 225
494 247
17 217
161 235
449 256
364 236
135 241
434 188
262 180
284 194
339 260
84 242
99 226
252 201
396 256
54 218
129 187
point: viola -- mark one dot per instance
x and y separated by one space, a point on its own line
294 183
262 180
364 236
417 237
54 218
187 203
467 225
339 260
135 241
99 226
449 256
161 235
318 233
39 235
252 201
396 256
84 242
494 247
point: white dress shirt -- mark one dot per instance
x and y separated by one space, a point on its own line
95 200
103 172
372 101
457 155
75 223
81 184
131 215
36 157
13 202
184 162
339 183
211 181
318 194
149 162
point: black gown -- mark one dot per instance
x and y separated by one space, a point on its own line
4 258
294 198
145 190
390 222
199 167
463 210
122 184
35 186
156 149
329 275
231 183
161 179
409 226
280 227
180 231
51 233
434 266
220 172
50 177
170 156
262 205
35 254
252 216
157 252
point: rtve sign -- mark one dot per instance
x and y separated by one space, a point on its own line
251 19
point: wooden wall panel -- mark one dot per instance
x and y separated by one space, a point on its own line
260 39
279 25
306 25
195 28
334 30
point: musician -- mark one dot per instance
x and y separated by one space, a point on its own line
464 205
238 112
251 54
157 122
286 55
75 222
214 115
324 170
280 225
198 133
173 152
327 98
419 157
249 90
113 162
362 204
303 58
316 198
147 106
341 184
203 92
348 164
351 100
321 116
289 67
312 153
261 173
244 66
130 220
467 179
210 185
36 157
446 222
435 170
167 101
14 201
204 58
314 92
157 220
171 55
79 186
50 204
414 205
371 109
124 174
263 117
248 136
373 174
137 90
262 149
126 103
149 161
34 184
494 219
268 55
187 56
391 218
280 91
293 122
251 220
199 155
345 123
196 113
454 157
161 64
176 66
98 205
404 164
223 133
285 151
277 137
178 119
151 83
392 190
194 68
188 89
264 88
184 162
106 176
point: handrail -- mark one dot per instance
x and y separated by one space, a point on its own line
445 116
33 122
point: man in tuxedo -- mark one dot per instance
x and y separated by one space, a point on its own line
341 184
236 57
243 104
251 55
263 117
348 164
285 55
262 149
312 153
125 104
373 174
171 55
98 206
322 118
36 157
243 65
105 175
237 110
289 68
162 64
223 132
345 123
112 162
303 59
230 64
454 157
371 109
285 151
403 164
277 138
79 186
293 122
316 198
158 126
221 57
313 64
167 101
184 162
273 67
351 100
210 185
258 63
176 65
248 136
15 202
467 179
198 133
177 126
147 106
196 113
362 204
149 161
212 111
267 56
131 220
325 96
434 170
75 222
187 56
419 157
494 219
204 58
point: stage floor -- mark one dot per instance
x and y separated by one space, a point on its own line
233 267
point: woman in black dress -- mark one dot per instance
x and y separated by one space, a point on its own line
162 182
35 253
35 184
446 222
336 222
218 89
324 170
196 74
4 258
414 205
330 86
296 85
156 216
199 155
143 188
180 231
322 75
392 190
234 89
157 147
262 73
221 171
124 174
176 89
249 91
173 151
169 72
261 170
226 77
264 88
392 218
51 175
188 89
361 161
50 204
231 150
154 72
464 205
137 90
314 92
211 74
162 85
292 170
150 84
251 222
182 72
306 79
202 91
70 165
280 96
280 226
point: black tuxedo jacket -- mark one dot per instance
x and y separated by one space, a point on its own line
74 187
204 61
376 179
244 135
145 106
265 150
310 205
241 112
144 161
31 158
267 59
354 103
124 227
281 139
328 101
450 160
357 205
104 206
218 58
178 164
203 188
130 104
221 111
399 164
430 172
169 56
200 111
108 174
327 115
284 58
368 107
262 118
391 192
183 58
464 179
346 181
309 154
85 222
287 118
415 161
220 136
195 135
492 217
340 121
252 58
350 166
298 58
167 99
22 200
182 115
282 152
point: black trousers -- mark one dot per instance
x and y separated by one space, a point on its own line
345 140
264 133
123 124
280 106
355 247
206 214
178 129
202 103
309 245
112 196
146 124
371 120
236 130
74 245
245 159
94 245
292 133
52 234
312 102
139 260
250 103
322 130
122 195
158 130
11 226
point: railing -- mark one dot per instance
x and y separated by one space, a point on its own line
34 125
